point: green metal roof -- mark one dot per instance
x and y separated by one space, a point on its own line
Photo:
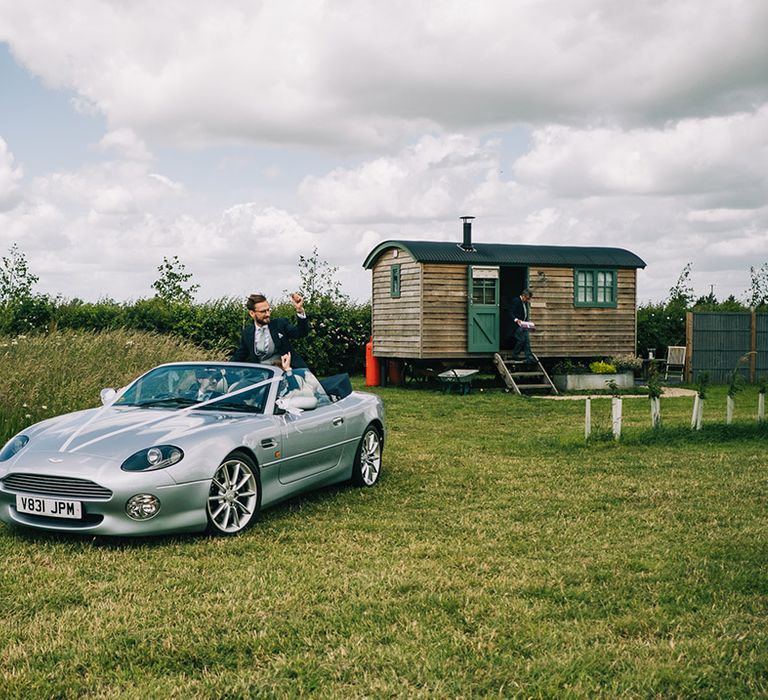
510 254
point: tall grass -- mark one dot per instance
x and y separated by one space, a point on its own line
501 555
55 373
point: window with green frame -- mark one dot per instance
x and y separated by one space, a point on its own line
484 291
594 288
394 281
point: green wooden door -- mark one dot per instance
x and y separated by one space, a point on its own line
483 309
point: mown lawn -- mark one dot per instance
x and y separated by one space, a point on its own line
499 556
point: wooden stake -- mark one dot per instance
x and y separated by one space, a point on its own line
655 412
761 408
700 414
616 417
695 413
587 418
728 410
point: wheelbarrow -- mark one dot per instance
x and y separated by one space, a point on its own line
461 379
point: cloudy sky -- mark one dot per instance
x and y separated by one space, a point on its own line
240 135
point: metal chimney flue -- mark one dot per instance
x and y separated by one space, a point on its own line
467 244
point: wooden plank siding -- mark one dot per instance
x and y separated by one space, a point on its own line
429 319
396 322
444 331
564 330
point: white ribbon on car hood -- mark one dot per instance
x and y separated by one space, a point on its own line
152 421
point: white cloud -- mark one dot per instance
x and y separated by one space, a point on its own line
430 180
124 143
745 246
112 223
110 187
720 158
720 217
368 241
284 71
173 187
10 177
648 124
264 233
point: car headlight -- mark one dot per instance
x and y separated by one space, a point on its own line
152 458
13 446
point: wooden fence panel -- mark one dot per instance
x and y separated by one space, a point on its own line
761 346
720 342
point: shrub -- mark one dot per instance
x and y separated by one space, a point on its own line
26 314
702 384
569 367
655 383
626 363
659 326
77 314
338 333
601 367
339 329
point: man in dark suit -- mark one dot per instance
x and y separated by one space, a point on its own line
266 340
520 313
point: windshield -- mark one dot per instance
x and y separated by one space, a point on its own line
177 386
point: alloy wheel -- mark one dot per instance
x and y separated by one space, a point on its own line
233 499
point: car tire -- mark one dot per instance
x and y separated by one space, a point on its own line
234 497
367 465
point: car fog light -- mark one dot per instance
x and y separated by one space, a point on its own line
142 506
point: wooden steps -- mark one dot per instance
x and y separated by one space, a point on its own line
523 377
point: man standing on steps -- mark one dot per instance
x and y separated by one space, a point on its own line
520 313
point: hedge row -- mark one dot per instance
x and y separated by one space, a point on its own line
336 341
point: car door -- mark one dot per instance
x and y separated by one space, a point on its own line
313 442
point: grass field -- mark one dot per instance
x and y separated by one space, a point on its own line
499 556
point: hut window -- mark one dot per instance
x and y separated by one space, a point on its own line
483 291
394 281
594 288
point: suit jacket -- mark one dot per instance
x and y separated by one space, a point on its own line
282 331
518 310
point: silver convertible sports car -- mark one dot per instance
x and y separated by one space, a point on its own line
190 447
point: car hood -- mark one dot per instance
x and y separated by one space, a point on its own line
118 432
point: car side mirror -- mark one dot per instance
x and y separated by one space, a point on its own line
108 396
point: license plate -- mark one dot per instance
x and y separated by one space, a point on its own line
51 507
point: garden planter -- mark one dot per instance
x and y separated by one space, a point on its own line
589 382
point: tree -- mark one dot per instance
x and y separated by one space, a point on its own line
16 281
173 283
706 303
681 294
757 294
319 280
339 328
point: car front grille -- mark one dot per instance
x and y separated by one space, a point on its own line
57 486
